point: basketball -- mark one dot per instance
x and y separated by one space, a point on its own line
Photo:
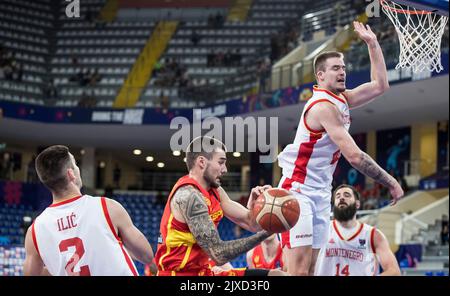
276 210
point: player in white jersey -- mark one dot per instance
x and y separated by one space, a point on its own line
80 234
322 135
353 248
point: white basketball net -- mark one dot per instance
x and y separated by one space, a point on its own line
420 34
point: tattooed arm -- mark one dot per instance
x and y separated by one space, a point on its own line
330 119
239 214
188 206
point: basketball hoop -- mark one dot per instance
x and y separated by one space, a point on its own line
420 34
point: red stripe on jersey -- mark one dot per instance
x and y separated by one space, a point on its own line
108 218
337 230
64 202
33 235
316 88
361 225
128 260
309 107
111 226
303 157
372 243
286 239
287 184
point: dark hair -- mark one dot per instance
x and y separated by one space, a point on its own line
355 192
320 60
51 165
202 146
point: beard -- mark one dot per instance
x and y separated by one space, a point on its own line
209 178
345 214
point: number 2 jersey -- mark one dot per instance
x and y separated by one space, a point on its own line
77 237
351 256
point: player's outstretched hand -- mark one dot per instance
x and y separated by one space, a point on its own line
364 32
396 193
257 191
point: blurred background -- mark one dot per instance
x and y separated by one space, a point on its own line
106 77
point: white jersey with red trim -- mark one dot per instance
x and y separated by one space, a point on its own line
77 237
348 256
312 158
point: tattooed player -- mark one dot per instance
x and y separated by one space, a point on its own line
197 203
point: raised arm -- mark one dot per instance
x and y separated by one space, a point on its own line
238 213
387 259
379 83
331 120
33 264
133 239
189 206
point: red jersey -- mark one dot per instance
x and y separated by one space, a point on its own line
259 261
178 252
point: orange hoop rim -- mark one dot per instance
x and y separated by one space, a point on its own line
405 11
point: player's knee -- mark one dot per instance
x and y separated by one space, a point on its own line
277 272
299 271
311 271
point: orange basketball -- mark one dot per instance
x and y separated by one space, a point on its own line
276 210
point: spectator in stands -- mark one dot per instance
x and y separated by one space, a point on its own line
31 171
210 59
165 102
219 21
17 72
6 166
109 191
94 77
195 38
74 61
211 21
117 173
87 100
50 91
237 57
444 230
85 77
159 67
263 73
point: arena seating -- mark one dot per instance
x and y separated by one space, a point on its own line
24 30
66 48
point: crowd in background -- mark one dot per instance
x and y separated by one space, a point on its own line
285 41
10 69
170 73
219 58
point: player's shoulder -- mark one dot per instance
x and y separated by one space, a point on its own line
186 191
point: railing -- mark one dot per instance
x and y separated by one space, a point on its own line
411 224
299 73
157 181
408 227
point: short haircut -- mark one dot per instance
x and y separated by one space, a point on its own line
202 146
321 59
51 165
355 192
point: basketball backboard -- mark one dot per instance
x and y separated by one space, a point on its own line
437 6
